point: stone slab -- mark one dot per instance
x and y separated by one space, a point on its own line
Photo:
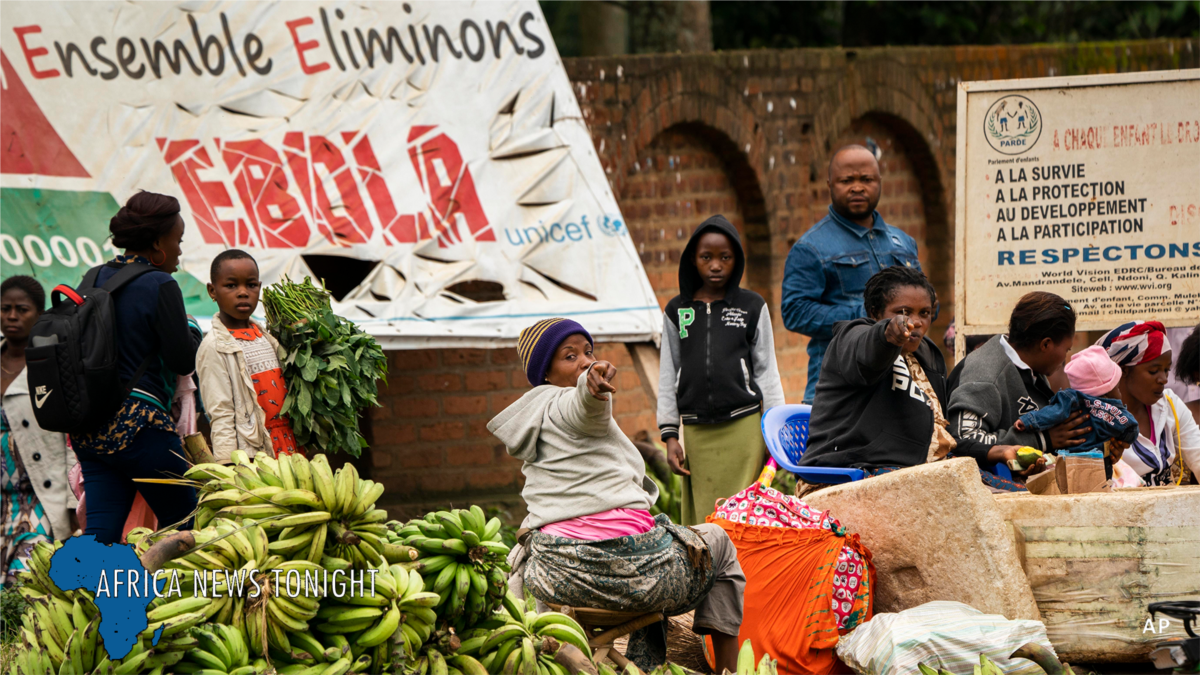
1095 561
935 533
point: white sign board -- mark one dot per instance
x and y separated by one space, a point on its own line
1087 187
440 140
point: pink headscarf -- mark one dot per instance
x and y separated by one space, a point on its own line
1135 343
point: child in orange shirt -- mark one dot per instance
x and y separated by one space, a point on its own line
241 380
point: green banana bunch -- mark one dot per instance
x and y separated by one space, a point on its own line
276 613
244 549
339 657
310 511
277 492
462 560
444 660
32 660
667 668
60 629
357 533
516 646
989 667
745 662
220 648
392 624
926 670
37 576
59 635
157 659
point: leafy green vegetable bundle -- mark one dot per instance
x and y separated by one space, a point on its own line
331 367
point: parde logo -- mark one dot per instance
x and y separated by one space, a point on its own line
1012 125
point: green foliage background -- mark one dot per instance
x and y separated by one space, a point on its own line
863 23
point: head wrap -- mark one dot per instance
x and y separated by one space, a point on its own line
537 345
1135 343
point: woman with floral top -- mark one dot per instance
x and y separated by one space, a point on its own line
36 503
158 340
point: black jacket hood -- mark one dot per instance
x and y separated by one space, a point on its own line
689 277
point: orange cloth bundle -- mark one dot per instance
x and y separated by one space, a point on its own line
789 592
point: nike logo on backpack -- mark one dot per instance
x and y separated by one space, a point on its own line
40 396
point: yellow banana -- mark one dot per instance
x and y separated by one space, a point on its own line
285 474
299 519
324 483
302 471
281 617
260 495
209 471
289 546
316 548
176 607
382 630
297 497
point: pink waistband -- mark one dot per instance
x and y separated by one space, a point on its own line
604 525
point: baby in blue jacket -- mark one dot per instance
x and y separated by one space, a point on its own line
1093 377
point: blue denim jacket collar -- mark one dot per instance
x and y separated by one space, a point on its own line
853 227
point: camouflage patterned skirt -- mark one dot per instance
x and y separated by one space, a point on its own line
668 569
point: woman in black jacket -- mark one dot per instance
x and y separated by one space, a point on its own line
880 401
159 340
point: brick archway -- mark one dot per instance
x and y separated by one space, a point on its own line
692 103
708 108
884 88
878 92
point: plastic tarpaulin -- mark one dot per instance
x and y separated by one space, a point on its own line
438 144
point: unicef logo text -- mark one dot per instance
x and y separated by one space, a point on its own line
561 233
1012 125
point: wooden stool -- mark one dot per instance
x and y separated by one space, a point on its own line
603 627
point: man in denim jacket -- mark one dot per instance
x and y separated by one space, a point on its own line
828 267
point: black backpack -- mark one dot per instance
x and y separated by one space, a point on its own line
72 355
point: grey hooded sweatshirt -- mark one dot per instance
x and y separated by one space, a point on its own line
578 462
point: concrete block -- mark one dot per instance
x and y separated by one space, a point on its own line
1095 561
935 533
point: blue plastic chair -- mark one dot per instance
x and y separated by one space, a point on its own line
785 430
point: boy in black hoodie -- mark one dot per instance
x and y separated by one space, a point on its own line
717 372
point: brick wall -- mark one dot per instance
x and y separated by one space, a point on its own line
744 133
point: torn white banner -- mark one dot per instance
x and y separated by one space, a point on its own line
428 159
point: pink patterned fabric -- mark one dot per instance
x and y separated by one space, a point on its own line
767 507
604 525
850 570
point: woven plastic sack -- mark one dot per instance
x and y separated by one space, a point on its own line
940 634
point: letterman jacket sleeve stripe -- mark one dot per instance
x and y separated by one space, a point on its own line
766 369
668 405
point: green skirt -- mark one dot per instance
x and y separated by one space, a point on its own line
724 460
